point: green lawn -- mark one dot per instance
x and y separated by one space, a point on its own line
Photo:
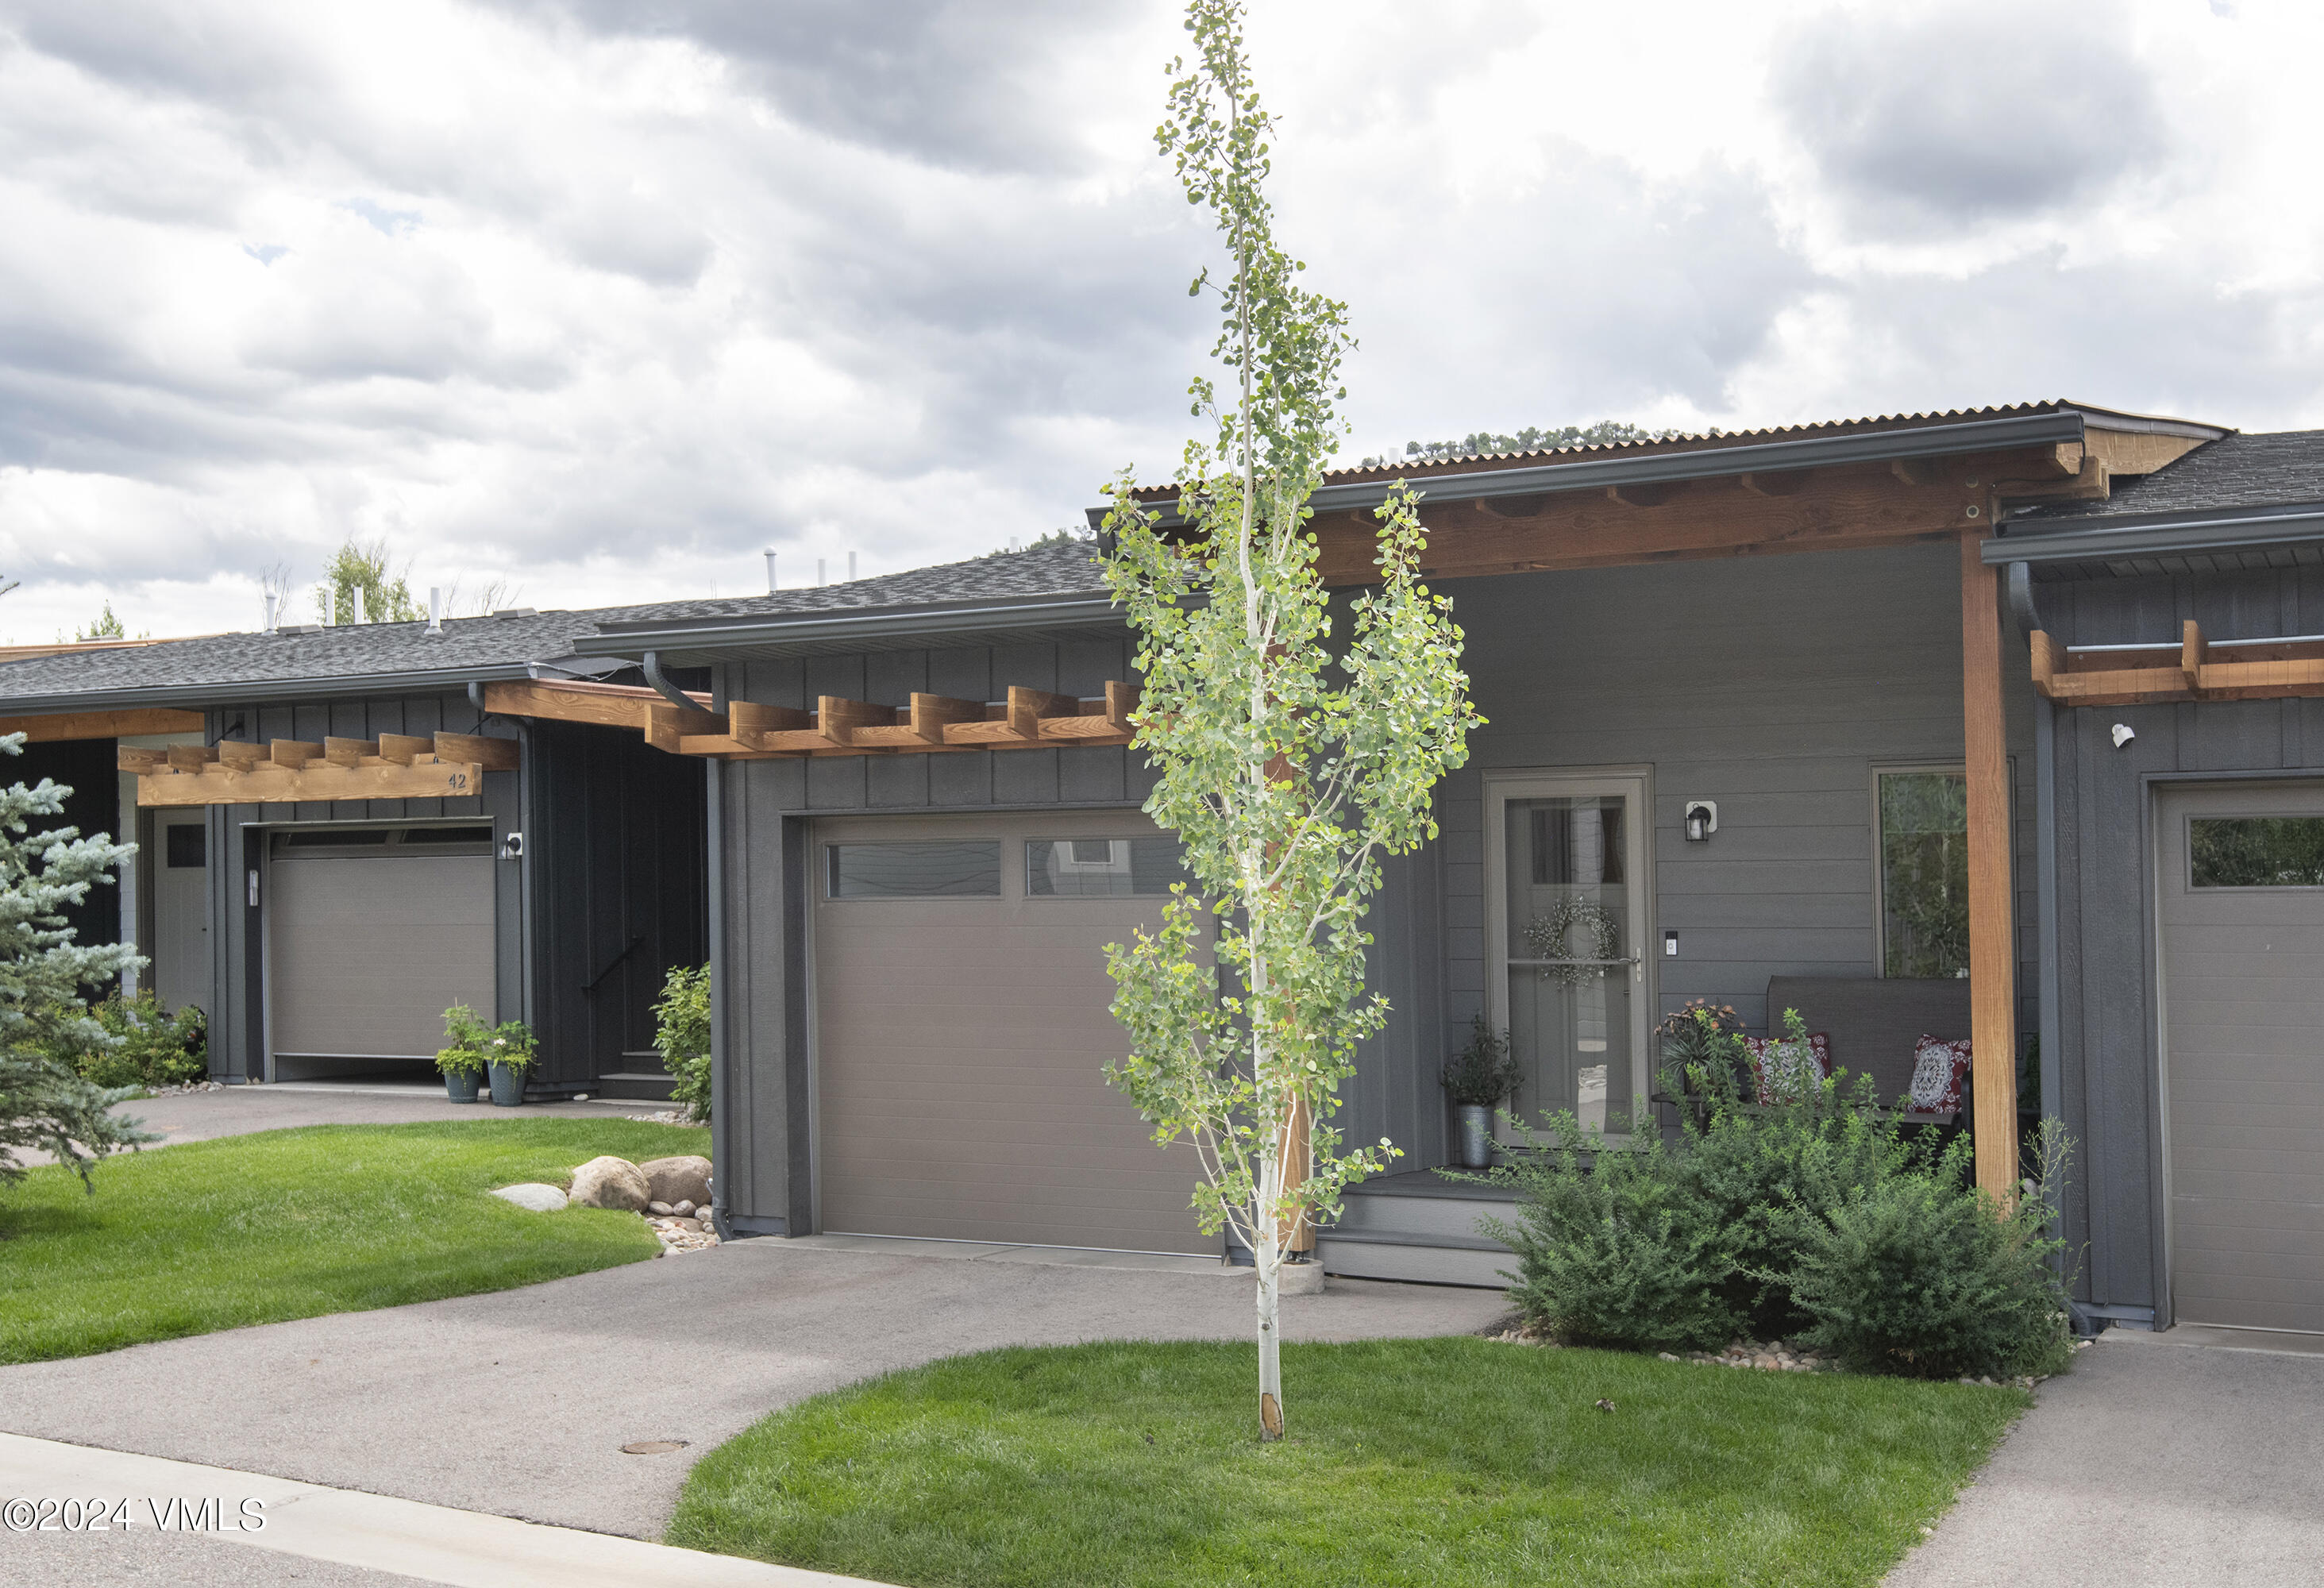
292 1223
1430 1463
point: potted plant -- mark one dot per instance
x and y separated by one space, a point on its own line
1478 1078
509 1052
462 1058
1703 1047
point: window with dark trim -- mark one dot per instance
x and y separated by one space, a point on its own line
1923 873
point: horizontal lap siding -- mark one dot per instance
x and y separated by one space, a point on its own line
1772 686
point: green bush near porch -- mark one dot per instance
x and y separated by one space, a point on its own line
1438 1463
294 1223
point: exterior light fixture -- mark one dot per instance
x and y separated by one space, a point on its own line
1702 819
2123 735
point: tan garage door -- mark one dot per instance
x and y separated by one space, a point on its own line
961 1025
371 936
2242 905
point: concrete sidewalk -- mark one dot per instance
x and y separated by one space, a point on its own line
2195 1456
518 1403
365 1540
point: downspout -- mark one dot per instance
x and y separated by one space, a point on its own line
722 1130
2020 581
664 687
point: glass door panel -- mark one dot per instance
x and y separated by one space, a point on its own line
1571 917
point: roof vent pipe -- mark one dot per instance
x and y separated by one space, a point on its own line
270 612
851 567
435 609
770 570
361 614
819 577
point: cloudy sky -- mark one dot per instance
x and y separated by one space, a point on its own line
601 297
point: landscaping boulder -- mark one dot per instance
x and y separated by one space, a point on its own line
678 1179
610 1182
532 1195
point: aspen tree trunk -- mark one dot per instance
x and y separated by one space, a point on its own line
1269 1259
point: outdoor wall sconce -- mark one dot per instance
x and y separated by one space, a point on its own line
2123 735
512 846
1702 819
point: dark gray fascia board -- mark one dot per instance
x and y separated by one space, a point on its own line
1984 435
2155 534
793 633
263 691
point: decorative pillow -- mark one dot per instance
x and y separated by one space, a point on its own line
1939 1071
1784 1071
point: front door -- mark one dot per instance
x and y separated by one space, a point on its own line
181 909
1568 906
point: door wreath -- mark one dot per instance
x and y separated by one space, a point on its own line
1546 935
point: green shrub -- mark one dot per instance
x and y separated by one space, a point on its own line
682 1036
149 1045
1815 1217
470 1045
1921 1274
1617 1253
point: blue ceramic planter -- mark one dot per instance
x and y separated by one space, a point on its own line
508 1085
461 1085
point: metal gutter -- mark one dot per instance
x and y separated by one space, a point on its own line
710 637
2155 534
265 691
1986 435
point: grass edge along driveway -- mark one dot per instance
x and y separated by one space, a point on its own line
280 1224
1442 1462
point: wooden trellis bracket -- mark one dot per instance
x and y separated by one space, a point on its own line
2195 668
1028 719
393 766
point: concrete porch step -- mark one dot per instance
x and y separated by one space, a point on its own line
1371 1257
637 1084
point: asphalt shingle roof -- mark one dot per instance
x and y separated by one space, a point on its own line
2267 470
360 650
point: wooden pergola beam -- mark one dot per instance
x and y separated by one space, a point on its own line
2197 667
52 726
395 766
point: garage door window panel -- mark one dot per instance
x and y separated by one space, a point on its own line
1103 868
2256 852
949 870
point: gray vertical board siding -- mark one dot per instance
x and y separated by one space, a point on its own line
86 769
619 875
2108 1014
762 991
237 1015
1773 686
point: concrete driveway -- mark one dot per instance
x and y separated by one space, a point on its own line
2161 1460
518 1403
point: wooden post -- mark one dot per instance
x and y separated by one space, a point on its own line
1992 951
1297 1234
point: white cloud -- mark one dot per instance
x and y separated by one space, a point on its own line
602 299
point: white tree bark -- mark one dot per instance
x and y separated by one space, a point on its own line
1266 1252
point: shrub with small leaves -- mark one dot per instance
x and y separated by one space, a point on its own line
1617 1252
1920 1274
151 1046
682 1036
